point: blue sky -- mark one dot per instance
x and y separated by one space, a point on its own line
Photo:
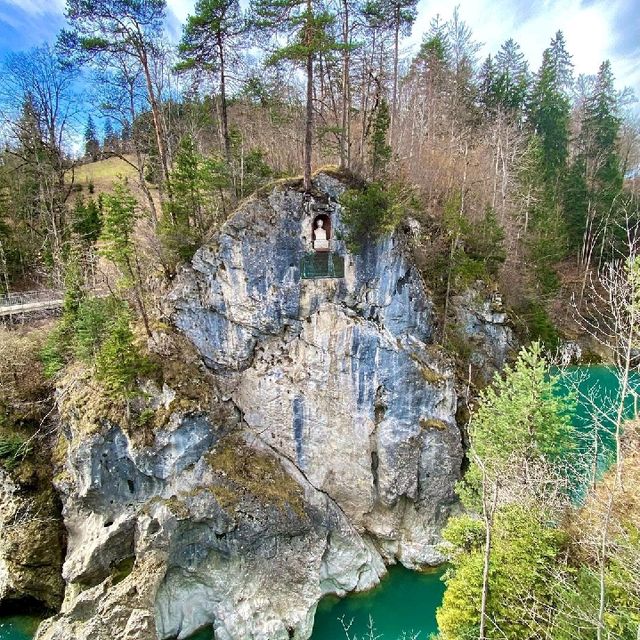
595 29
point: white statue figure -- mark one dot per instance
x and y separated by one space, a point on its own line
320 241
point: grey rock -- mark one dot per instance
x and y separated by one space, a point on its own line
484 324
31 542
342 455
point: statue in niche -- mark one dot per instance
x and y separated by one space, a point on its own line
320 241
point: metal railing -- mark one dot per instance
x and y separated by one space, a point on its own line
323 264
28 297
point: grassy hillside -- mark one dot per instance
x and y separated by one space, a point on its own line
103 174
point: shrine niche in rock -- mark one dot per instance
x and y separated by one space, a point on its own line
322 259
321 232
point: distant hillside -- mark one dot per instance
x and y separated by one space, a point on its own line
103 174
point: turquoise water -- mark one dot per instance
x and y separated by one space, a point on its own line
597 394
18 627
406 601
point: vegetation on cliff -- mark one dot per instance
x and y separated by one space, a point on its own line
546 549
524 180
515 170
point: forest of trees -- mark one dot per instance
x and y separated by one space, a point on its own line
543 159
526 179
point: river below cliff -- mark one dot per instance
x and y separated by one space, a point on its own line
597 394
406 601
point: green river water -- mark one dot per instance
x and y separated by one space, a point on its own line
406 601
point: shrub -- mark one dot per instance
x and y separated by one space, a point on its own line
99 333
484 242
24 392
118 362
91 326
373 211
536 324
13 449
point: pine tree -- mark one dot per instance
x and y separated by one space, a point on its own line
432 64
117 242
91 142
561 61
549 114
599 136
86 220
544 230
576 203
596 177
307 29
380 149
195 182
214 33
512 76
487 76
503 559
118 362
104 31
521 414
109 138
463 51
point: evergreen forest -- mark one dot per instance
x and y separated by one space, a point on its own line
126 147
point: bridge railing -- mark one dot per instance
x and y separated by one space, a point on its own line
27 297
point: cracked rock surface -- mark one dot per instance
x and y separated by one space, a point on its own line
326 449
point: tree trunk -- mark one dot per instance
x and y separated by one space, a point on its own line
308 128
602 568
487 512
345 138
223 99
157 124
396 55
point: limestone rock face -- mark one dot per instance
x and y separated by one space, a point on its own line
31 545
482 321
328 447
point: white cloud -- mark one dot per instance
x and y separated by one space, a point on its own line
181 8
589 29
36 7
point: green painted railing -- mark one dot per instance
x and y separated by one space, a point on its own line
322 265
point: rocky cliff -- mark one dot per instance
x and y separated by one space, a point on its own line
317 443
482 323
31 541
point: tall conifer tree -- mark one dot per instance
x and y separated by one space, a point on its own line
210 36
306 28
549 109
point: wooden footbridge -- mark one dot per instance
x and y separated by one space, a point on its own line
26 303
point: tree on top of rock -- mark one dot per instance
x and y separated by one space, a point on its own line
306 28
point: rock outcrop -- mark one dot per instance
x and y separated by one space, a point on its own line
322 444
31 541
483 324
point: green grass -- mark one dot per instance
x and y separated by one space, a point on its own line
103 174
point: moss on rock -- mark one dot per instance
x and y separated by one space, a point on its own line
243 470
